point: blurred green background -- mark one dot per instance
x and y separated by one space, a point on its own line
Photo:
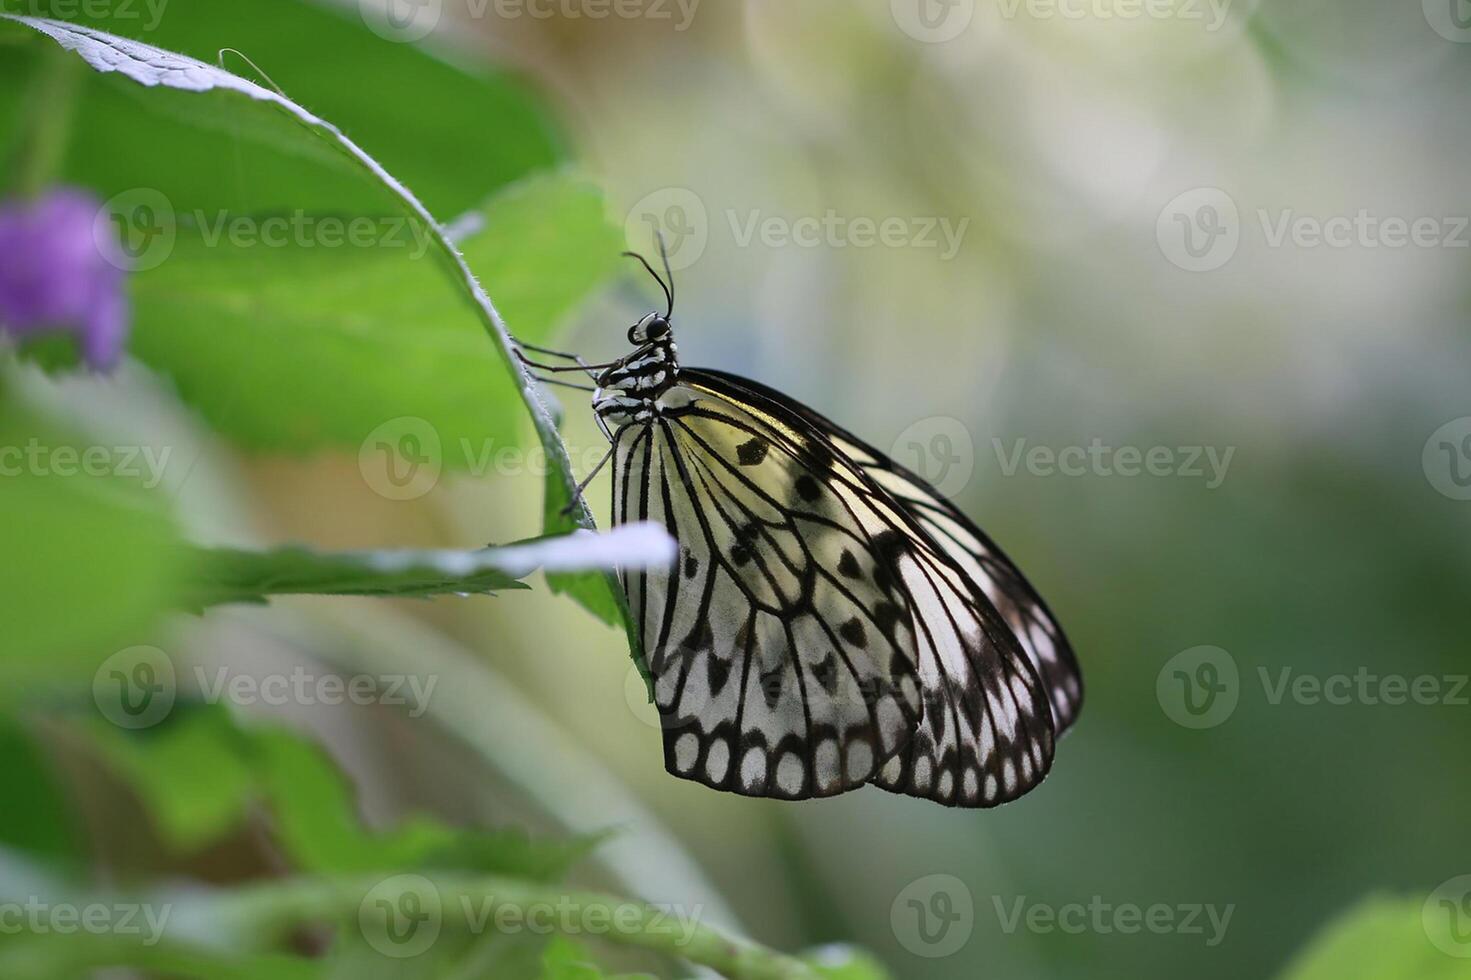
1021 243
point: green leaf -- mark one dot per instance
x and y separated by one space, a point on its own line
287 329
452 134
199 771
1380 939
91 559
324 404
565 960
596 592
540 247
36 820
233 575
318 825
312 347
189 772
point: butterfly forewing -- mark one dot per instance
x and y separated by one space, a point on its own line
780 644
974 552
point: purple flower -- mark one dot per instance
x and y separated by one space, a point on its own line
61 270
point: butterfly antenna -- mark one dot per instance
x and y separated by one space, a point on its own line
668 292
668 272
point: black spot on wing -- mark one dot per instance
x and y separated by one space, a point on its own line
717 672
826 673
808 488
886 616
889 545
752 452
852 631
691 565
848 565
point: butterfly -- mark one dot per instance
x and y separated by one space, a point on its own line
831 621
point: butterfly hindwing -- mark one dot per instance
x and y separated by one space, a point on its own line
780 649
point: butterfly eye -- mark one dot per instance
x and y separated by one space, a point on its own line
658 329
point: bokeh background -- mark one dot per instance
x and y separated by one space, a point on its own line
1228 237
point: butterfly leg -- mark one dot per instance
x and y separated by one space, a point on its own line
577 491
563 384
581 365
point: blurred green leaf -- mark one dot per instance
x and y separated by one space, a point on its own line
232 575
189 772
452 133
199 771
58 956
36 819
319 827
841 962
566 960
90 561
1381 939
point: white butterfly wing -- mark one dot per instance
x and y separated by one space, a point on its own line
987 733
780 652
1023 610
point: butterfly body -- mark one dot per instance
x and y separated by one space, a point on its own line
831 621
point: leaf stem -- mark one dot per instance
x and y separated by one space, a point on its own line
47 128
267 911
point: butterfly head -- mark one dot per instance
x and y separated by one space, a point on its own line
652 329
